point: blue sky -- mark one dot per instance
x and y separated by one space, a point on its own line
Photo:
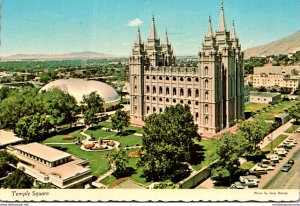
62 26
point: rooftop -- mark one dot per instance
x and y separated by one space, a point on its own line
264 94
7 138
42 151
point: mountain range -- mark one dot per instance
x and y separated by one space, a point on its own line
284 45
73 55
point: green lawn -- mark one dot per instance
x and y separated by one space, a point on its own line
274 143
292 128
97 160
275 110
109 125
100 133
108 180
252 107
60 138
209 153
247 165
129 140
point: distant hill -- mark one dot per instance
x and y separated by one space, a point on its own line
75 55
282 46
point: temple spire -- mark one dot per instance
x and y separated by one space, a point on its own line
167 38
153 34
209 30
232 32
138 39
222 25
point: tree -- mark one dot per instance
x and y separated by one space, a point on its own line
93 102
261 89
5 160
90 117
295 112
59 105
119 120
18 180
119 86
33 127
27 101
285 90
120 159
254 132
297 91
228 148
167 140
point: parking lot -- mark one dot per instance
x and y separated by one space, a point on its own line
276 179
287 180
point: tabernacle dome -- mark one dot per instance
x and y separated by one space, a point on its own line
79 87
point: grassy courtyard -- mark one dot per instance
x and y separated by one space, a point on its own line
130 129
60 138
270 111
208 156
97 160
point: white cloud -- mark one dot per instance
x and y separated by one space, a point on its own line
125 43
135 22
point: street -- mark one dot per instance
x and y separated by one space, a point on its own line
287 180
284 180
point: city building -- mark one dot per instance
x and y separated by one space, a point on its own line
281 76
8 138
213 88
80 87
46 164
264 97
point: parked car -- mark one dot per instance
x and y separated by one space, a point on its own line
291 162
298 130
287 147
249 180
238 185
286 167
273 157
269 162
254 173
268 167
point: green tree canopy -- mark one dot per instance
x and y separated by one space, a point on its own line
295 112
60 105
229 148
18 180
167 140
33 127
120 159
93 102
120 120
6 159
254 132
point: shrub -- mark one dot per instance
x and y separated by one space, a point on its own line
89 146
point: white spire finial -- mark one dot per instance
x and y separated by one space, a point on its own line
153 34
222 25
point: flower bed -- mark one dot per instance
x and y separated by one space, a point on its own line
69 137
89 146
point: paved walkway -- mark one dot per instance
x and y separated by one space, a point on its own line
276 133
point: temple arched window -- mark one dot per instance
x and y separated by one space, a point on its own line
181 92
167 91
206 71
206 84
160 90
147 89
206 108
189 79
174 78
206 120
181 79
206 96
154 90
197 93
189 92
174 92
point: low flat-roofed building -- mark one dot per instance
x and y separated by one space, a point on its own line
264 97
8 138
46 164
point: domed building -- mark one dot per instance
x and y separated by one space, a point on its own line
79 87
